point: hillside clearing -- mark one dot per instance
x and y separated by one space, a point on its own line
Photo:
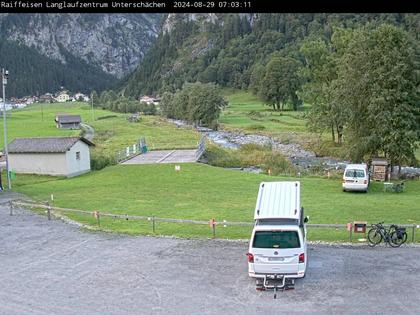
112 131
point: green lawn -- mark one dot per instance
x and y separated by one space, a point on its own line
203 192
111 134
246 111
114 134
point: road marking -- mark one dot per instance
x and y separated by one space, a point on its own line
165 157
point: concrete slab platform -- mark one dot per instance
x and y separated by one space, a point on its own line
164 156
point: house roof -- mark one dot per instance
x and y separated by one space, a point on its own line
44 145
68 119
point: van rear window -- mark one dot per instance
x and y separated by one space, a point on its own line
355 173
276 239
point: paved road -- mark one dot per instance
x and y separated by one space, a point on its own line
164 156
51 267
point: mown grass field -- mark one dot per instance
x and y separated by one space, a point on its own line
203 192
111 134
247 112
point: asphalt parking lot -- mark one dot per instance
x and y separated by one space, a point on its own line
52 267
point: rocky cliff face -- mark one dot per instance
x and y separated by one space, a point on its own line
114 42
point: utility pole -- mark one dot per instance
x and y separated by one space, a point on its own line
91 99
4 75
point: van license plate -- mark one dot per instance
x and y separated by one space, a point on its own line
275 258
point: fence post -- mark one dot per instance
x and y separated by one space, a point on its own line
11 207
98 218
414 231
214 228
48 211
153 224
351 234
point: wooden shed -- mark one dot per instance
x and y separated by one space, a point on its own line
56 156
379 169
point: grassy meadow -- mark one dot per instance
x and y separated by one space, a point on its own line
202 192
246 111
199 191
111 134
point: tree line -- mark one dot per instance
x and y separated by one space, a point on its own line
196 103
115 102
363 85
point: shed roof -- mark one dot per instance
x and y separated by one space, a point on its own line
44 145
278 200
68 119
379 161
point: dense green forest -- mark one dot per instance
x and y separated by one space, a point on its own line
231 50
34 74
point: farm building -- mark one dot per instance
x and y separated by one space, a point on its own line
380 169
46 98
65 121
57 156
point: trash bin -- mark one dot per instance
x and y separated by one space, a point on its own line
359 227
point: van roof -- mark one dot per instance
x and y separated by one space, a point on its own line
278 200
356 166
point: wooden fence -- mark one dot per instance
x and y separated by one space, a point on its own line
51 211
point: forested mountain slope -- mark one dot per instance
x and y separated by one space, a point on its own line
229 49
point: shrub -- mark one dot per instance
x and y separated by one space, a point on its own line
278 165
98 161
220 157
249 155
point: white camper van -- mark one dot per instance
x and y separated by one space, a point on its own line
277 249
356 177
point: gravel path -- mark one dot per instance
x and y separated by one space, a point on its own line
50 267
88 131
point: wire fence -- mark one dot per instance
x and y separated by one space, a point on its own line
348 230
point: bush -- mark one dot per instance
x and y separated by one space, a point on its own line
278 164
249 155
98 162
220 157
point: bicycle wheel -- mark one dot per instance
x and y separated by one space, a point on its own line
395 241
374 237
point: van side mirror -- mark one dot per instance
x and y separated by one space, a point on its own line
306 219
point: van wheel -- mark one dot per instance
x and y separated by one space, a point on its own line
344 190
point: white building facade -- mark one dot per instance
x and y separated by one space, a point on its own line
56 156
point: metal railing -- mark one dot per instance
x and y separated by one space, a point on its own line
131 151
201 147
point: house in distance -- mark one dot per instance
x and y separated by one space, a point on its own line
66 121
63 96
56 156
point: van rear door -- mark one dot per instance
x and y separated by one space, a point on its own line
276 251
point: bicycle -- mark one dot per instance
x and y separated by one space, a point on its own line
394 236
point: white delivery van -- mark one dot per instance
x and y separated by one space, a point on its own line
356 177
277 249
